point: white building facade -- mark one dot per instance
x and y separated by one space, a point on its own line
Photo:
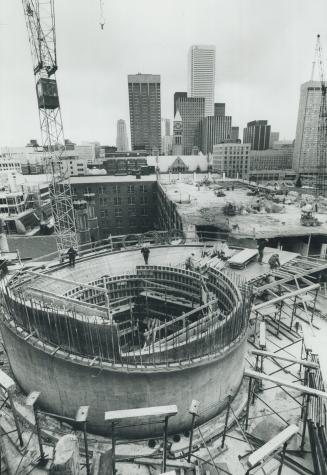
306 140
201 74
231 159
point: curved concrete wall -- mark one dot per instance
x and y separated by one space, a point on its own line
66 384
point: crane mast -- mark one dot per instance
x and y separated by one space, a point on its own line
322 124
40 22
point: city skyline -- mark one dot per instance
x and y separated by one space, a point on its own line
258 74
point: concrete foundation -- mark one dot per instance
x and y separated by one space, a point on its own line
69 382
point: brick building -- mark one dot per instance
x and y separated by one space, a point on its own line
123 204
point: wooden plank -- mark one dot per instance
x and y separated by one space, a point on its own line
262 335
241 259
6 382
286 296
308 364
272 445
287 384
32 398
82 413
141 412
158 461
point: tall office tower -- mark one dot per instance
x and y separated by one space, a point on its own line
121 139
178 95
257 133
145 111
305 157
192 111
165 127
274 137
215 129
235 134
178 135
219 108
201 74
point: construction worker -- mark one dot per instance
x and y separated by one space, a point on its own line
274 262
145 253
189 264
72 256
261 246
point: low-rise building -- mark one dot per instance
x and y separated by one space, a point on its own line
271 159
9 164
231 159
123 204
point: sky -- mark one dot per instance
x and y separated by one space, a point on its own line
264 51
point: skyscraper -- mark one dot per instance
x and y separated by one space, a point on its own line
178 95
165 127
274 137
219 108
192 111
201 74
215 129
145 111
121 140
306 139
257 133
235 134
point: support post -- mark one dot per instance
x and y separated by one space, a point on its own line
194 410
113 448
191 438
43 459
226 421
87 457
31 401
248 405
282 459
305 420
164 455
81 418
14 413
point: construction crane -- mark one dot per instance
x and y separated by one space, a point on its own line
320 182
40 22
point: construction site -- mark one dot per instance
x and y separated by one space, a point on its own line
197 348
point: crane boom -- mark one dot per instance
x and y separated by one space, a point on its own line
322 124
40 22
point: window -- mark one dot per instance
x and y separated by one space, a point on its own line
119 222
144 200
131 200
118 212
102 214
117 200
143 189
116 189
131 211
131 189
101 190
144 211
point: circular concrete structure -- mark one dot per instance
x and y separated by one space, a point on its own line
112 333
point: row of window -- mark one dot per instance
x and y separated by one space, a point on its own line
143 211
116 189
118 200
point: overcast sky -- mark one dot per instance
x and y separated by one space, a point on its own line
264 51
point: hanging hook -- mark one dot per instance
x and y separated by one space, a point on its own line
102 20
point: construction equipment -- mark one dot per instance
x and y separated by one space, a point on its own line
229 209
308 218
40 22
320 184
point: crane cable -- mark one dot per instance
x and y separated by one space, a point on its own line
102 19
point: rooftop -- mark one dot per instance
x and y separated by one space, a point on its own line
199 205
111 179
